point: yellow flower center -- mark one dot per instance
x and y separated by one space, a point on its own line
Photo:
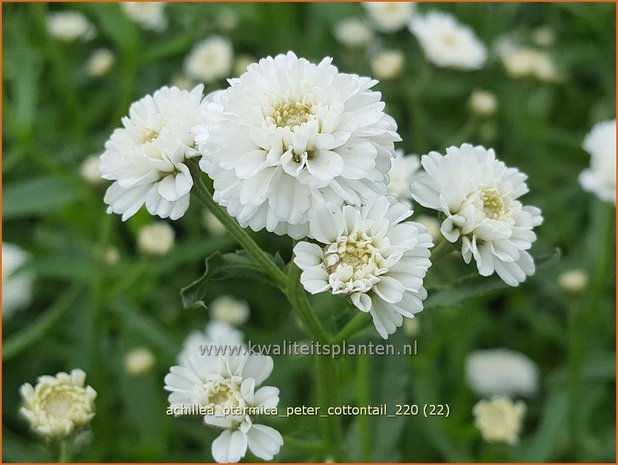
493 203
292 113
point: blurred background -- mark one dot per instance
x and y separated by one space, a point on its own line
91 289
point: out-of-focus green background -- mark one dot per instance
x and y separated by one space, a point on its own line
88 313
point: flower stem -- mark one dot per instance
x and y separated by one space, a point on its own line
238 233
327 393
364 424
63 452
443 249
352 327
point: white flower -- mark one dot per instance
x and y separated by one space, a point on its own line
479 196
573 280
390 16
543 36
501 372
147 157
90 170
387 64
112 256
149 15
371 256
210 59
156 238
100 62
212 223
216 333
600 178
289 135
521 62
58 405
448 43
353 32
483 102
138 361
226 382
68 26
229 309
403 169
432 225
16 284
499 419
411 326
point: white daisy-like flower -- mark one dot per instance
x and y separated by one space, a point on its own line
499 419
479 196
404 168
501 372
138 361
100 62
353 32
229 309
216 333
289 135
147 158
371 256
69 26
573 280
90 170
390 16
16 284
228 385
149 15
156 239
387 64
600 178
448 43
58 405
210 59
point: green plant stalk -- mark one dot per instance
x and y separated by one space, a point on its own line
328 386
443 249
357 324
364 425
63 452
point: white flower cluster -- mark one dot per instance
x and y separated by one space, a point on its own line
16 283
600 178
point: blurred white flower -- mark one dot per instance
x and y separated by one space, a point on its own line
289 135
90 170
58 405
156 238
112 256
229 309
242 62
210 59
483 102
16 284
212 224
370 255
138 361
68 26
183 82
228 384
147 157
501 372
216 333
402 171
227 19
499 419
600 178
479 196
523 62
432 225
543 36
573 280
387 64
353 32
411 326
390 16
100 62
149 15
448 43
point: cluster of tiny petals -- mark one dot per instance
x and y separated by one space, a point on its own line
288 135
371 256
479 197
146 158
58 405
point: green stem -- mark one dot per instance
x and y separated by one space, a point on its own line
238 233
303 444
63 452
364 424
327 395
352 327
443 249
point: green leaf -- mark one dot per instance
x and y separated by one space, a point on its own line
34 197
217 267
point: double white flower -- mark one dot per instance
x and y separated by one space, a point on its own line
479 197
224 383
371 256
289 135
600 178
147 157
